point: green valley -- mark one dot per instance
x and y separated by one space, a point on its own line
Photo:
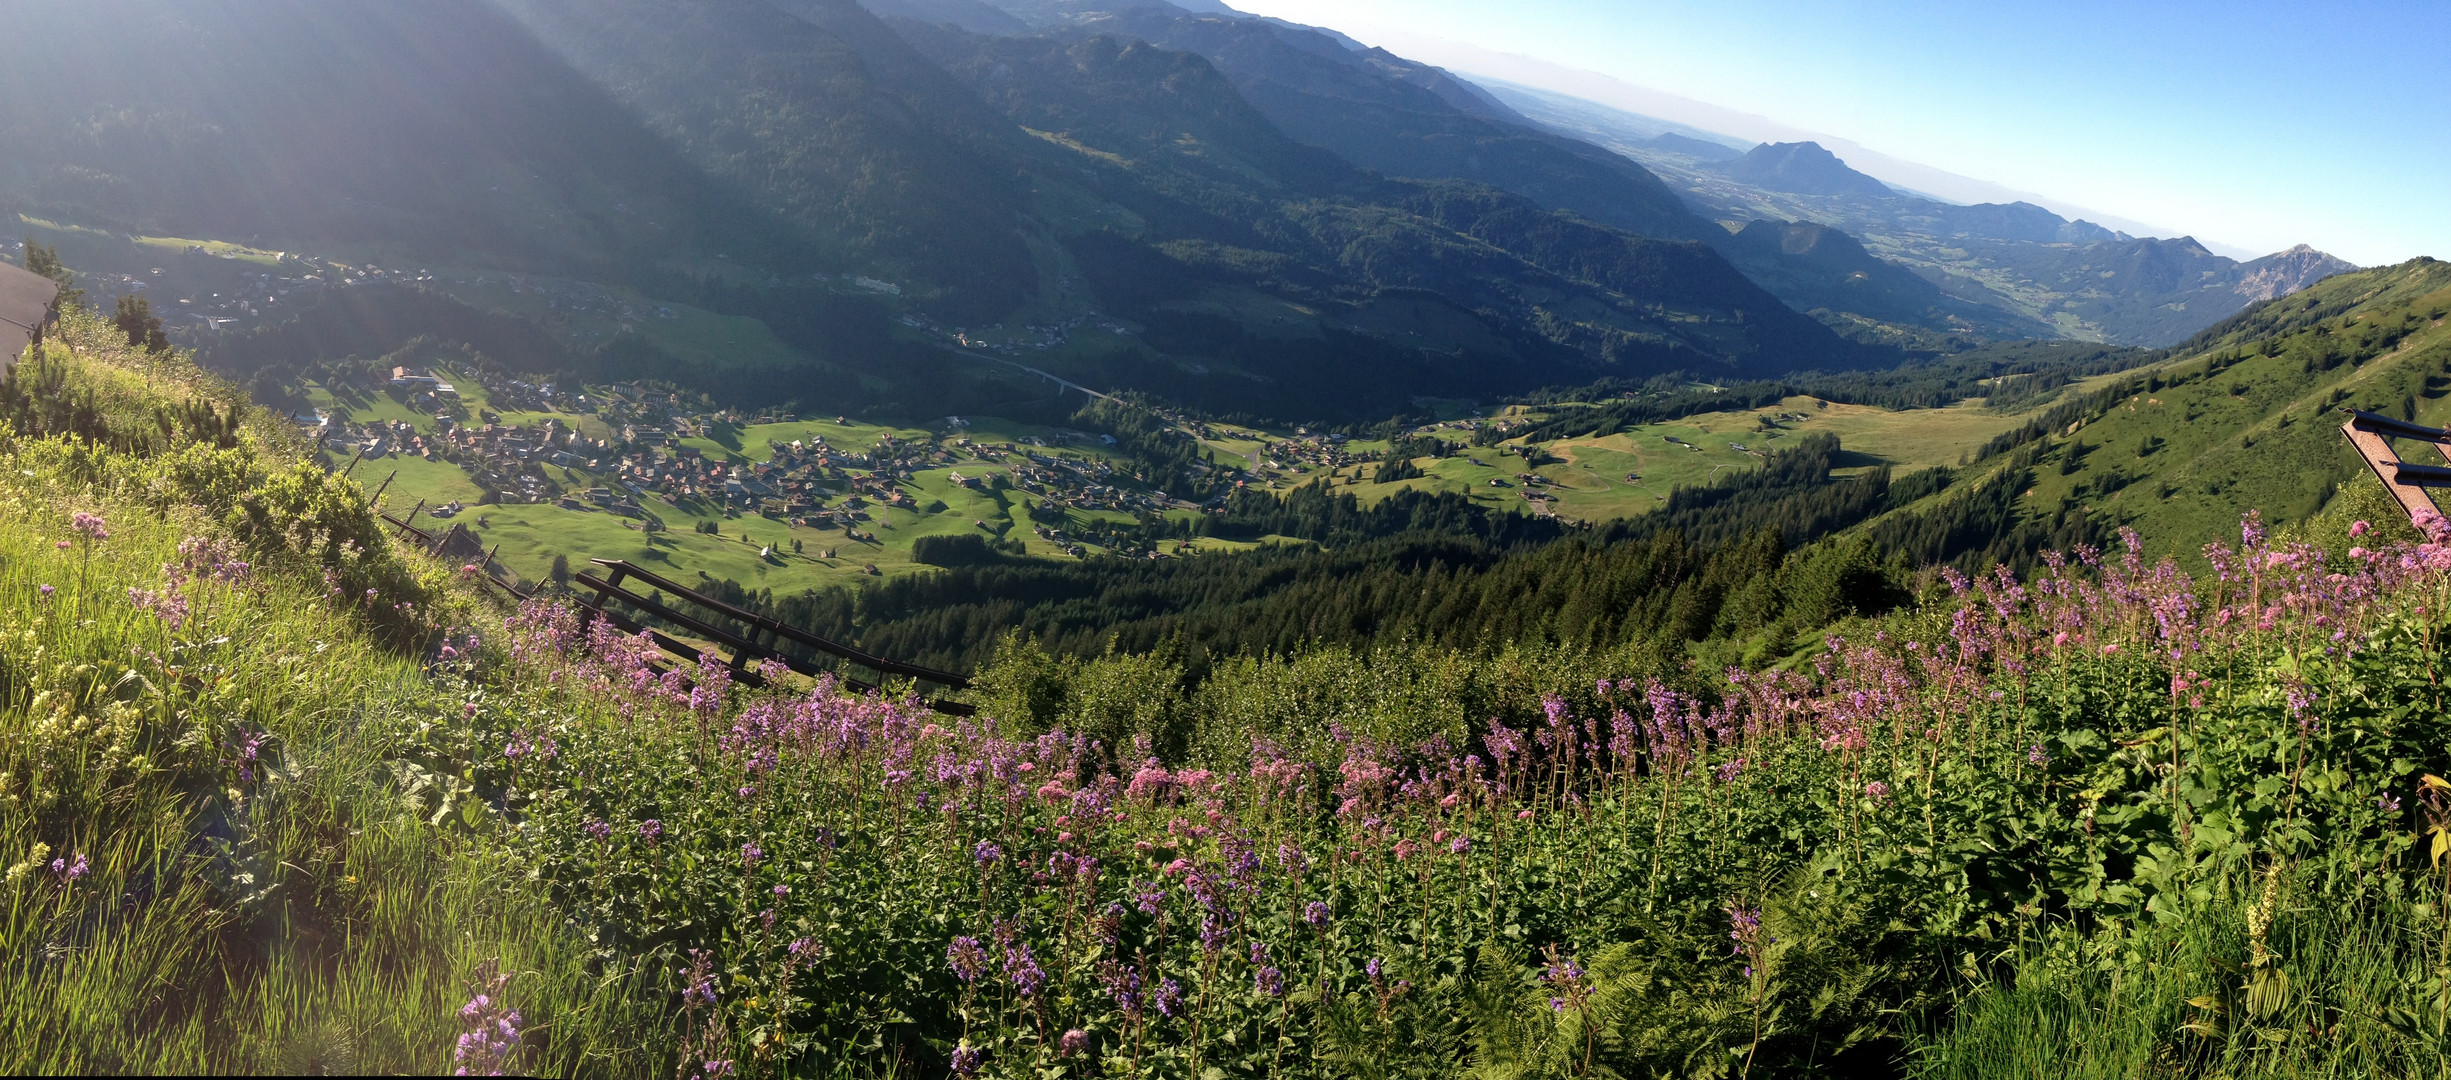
1149 541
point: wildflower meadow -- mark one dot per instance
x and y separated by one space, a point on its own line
278 795
1837 866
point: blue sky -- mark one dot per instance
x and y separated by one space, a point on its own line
2247 123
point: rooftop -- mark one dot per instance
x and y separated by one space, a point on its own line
25 300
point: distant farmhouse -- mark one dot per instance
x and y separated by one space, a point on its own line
25 307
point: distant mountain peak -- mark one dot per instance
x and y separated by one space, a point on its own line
2282 273
1802 168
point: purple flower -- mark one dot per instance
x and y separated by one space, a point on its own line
967 958
1169 998
598 830
1021 967
651 829
782 890
1269 982
750 854
965 1060
1877 791
491 1028
47 591
701 986
1122 983
2036 755
1315 913
1073 1042
1372 968
986 853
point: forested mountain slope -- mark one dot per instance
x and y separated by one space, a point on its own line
1407 119
1400 118
423 131
755 157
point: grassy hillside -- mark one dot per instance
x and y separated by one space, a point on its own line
276 795
2245 417
216 683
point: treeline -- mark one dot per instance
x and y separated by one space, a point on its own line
1743 570
2009 376
1314 514
1792 494
1162 457
1658 595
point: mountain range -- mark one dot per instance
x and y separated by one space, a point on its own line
1240 214
2058 277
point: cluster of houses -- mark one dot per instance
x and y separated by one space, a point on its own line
807 482
1307 451
1083 484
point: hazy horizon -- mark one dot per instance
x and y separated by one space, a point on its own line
2240 124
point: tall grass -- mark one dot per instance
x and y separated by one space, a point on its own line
211 866
2279 975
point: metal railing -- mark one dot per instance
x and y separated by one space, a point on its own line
2372 436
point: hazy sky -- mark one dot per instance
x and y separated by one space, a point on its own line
2248 123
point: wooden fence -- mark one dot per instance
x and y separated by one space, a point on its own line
761 639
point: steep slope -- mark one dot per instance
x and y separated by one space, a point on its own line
2245 417
1402 118
430 131
1222 204
801 163
1408 119
828 118
976 16
2282 273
